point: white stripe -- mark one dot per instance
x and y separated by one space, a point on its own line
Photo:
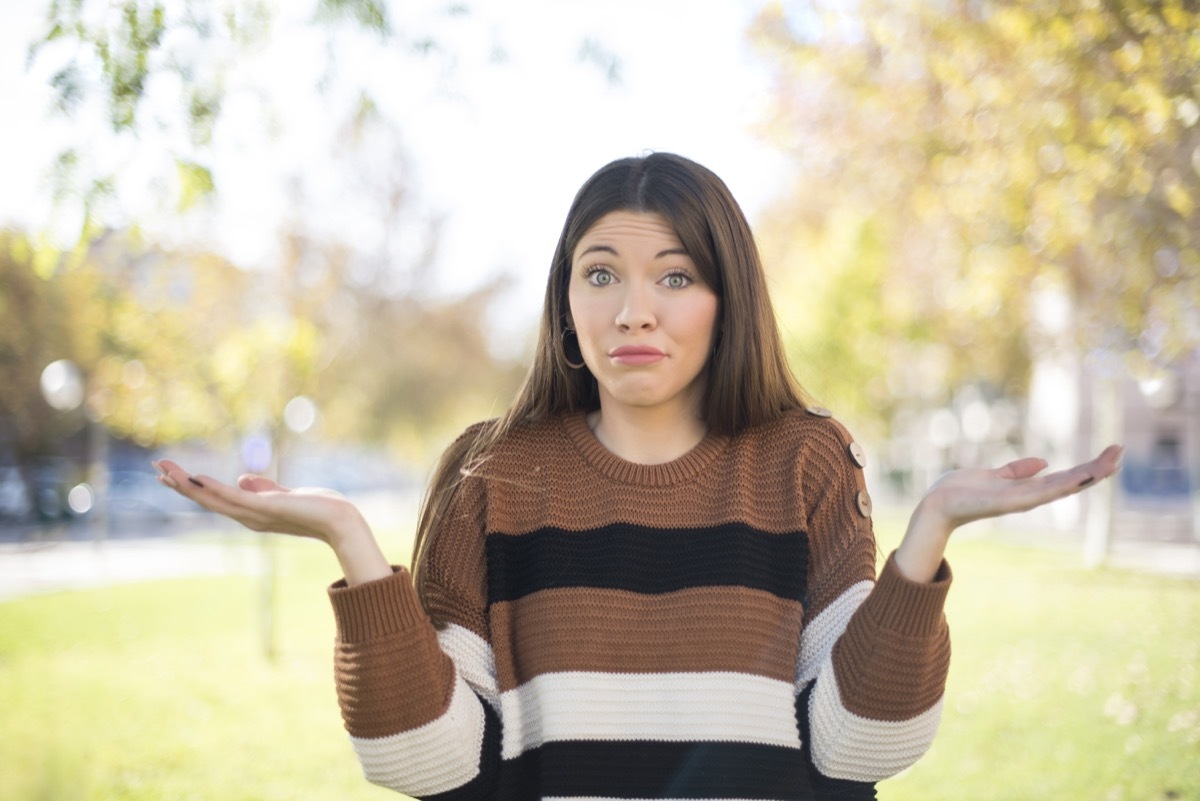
666 707
848 746
474 660
820 633
436 757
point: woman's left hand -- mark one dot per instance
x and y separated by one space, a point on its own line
963 496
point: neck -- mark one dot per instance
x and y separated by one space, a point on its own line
647 436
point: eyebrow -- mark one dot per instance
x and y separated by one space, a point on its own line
612 250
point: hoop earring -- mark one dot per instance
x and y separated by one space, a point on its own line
566 357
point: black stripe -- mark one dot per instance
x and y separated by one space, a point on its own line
656 770
826 788
647 560
485 782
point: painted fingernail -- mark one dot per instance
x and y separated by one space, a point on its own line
1087 481
195 481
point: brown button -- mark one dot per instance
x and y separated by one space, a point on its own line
857 454
864 503
819 411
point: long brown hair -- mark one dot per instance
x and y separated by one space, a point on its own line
748 379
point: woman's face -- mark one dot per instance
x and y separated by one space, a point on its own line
644 317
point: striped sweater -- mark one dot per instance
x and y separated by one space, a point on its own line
707 628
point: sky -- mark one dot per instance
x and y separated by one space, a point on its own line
498 132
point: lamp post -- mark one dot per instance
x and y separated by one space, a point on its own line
258 453
64 388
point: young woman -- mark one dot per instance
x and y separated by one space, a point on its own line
655 575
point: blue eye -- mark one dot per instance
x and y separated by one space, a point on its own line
599 276
678 280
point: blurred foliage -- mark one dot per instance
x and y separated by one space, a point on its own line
166 67
175 341
26 349
177 345
958 162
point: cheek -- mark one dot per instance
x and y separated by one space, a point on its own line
582 316
705 318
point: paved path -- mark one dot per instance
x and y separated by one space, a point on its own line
71 561
32 569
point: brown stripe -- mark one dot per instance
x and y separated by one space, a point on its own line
389 686
895 679
615 631
841 542
456 578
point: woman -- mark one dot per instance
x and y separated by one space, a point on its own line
654 576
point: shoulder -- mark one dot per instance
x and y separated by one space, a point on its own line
811 433
516 448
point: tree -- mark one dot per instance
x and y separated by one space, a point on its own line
961 160
35 334
160 73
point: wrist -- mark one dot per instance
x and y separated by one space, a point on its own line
929 524
357 550
348 529
920 553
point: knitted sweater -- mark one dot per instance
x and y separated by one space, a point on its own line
706 628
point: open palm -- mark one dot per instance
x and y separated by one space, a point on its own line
261 504
962 496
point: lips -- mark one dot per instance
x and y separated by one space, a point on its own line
636 354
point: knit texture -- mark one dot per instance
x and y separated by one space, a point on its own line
707 628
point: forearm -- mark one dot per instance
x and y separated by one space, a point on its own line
417 725
358 552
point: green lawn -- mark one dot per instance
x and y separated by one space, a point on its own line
1065 684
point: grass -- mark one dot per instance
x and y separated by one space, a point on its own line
1065 683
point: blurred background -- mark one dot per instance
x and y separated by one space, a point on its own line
310 239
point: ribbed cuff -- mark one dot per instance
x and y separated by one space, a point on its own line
911 608
376 608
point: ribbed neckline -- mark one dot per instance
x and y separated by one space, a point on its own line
654 475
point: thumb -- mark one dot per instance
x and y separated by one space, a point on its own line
1022 468
252 483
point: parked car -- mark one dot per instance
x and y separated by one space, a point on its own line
15 503
133 493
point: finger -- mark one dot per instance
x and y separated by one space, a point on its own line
1103 466
1022 468
203 490
253 483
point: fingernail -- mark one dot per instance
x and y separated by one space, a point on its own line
167 481
195 481
158 466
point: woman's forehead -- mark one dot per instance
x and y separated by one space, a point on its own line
618 226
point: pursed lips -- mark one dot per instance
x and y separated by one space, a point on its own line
636 355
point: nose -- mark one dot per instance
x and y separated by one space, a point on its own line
637 310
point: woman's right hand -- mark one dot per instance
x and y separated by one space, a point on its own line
261 504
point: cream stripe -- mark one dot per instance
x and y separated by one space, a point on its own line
847 746
474 660
433 758
668 707
822 632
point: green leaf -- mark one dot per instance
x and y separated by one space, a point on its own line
195 183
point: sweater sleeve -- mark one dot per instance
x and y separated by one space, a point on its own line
418 702
874 653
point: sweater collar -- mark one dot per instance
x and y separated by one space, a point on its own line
609 464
